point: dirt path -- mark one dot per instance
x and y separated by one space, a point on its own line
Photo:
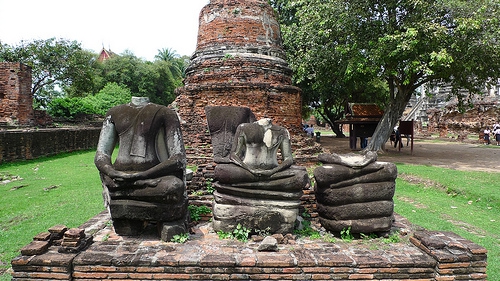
453 155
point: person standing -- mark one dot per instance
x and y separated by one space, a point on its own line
496 133
487 133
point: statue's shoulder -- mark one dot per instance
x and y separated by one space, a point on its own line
249 127
117 109
165 111
279 128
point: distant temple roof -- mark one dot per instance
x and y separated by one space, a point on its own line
105 54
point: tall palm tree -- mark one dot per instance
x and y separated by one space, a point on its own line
176 64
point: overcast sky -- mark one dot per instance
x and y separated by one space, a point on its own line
142 27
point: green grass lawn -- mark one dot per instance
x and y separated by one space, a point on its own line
66 189
63 189
466 203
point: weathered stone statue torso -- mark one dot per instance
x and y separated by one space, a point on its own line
253 187
146 182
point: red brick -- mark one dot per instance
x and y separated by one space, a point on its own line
50 276
140 275
35 248
149 269
445 278
95 268
258 276
15 93
118 275
292 270
170 276
316 269
321 277
454 265
478 276
93 275
367 270
356 276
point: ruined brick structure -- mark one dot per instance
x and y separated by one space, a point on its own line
428 256
16 101
239 61
449 120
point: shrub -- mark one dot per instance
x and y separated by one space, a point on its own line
68 107
111 95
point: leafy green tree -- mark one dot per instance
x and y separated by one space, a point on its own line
66 107
319 64
111 95
405 43
124 70
165 82
55 63
156 80
166 54
177 64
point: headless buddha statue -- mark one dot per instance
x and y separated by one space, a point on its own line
146 181
253 187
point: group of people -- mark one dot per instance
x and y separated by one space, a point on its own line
495 133
309 129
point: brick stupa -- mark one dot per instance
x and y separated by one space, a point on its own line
239 61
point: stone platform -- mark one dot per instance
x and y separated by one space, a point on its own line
420 255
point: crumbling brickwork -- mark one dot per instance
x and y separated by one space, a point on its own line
449 120
239 61
431 256
16 101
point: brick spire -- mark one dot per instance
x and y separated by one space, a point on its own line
239 61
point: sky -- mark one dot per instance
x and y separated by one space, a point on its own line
143 27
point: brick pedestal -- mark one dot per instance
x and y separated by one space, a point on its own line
427 256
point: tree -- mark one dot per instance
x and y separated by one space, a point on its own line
320 63
177 64
143 78
405 43
55 63
124 70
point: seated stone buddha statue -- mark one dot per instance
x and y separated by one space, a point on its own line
254 187
146 182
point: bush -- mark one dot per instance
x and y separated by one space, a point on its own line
68 107
111 95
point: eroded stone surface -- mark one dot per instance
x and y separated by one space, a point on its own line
355 191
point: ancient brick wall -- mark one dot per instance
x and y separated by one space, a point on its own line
30 144
16 101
